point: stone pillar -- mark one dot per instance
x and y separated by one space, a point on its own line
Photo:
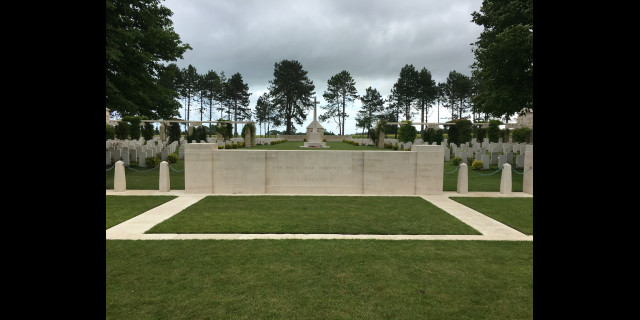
191 129
463 179
163 133
165 185
108 115
527 179
119 179
247 139
505 180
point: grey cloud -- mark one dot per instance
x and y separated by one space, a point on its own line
372 40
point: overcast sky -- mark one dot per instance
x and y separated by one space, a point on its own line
372 40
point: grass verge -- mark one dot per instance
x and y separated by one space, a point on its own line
319 279
122 208
313 215
517 213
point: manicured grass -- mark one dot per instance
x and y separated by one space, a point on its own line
514 212
122 208
319 279
313 215
149 178
479 180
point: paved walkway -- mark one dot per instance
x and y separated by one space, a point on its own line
134 228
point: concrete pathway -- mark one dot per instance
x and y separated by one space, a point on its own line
134 228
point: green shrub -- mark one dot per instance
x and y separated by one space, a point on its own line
122 130
152 162
388 145
477 164
407 132
522 135
453 134
111 132
464 129
147 131
234 145
174 132
172 158
456 161
395 147
438 136
481 134
493 132
134 126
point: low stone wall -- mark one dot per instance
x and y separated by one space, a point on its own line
301 137
213 171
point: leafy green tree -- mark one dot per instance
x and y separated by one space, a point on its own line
405 90
504 57
291 92
238 93
426 93
139 40
201 96
372 106
212 92
458 90
189 86
440 96
223 103
341 88
391 114
266 113
169 86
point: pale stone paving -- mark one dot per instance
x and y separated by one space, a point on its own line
134 228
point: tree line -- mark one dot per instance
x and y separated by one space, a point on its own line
141 81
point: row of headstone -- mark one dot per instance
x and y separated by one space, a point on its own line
135 151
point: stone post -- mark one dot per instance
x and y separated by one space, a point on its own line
527 179
165 185
247 139
505 180
463 179
119 179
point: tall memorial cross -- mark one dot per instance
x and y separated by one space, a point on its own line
315 131
315 104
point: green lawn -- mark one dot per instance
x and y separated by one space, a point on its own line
319 279
120 209
514 212
313 215
315 279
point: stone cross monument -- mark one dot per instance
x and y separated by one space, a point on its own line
315 132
